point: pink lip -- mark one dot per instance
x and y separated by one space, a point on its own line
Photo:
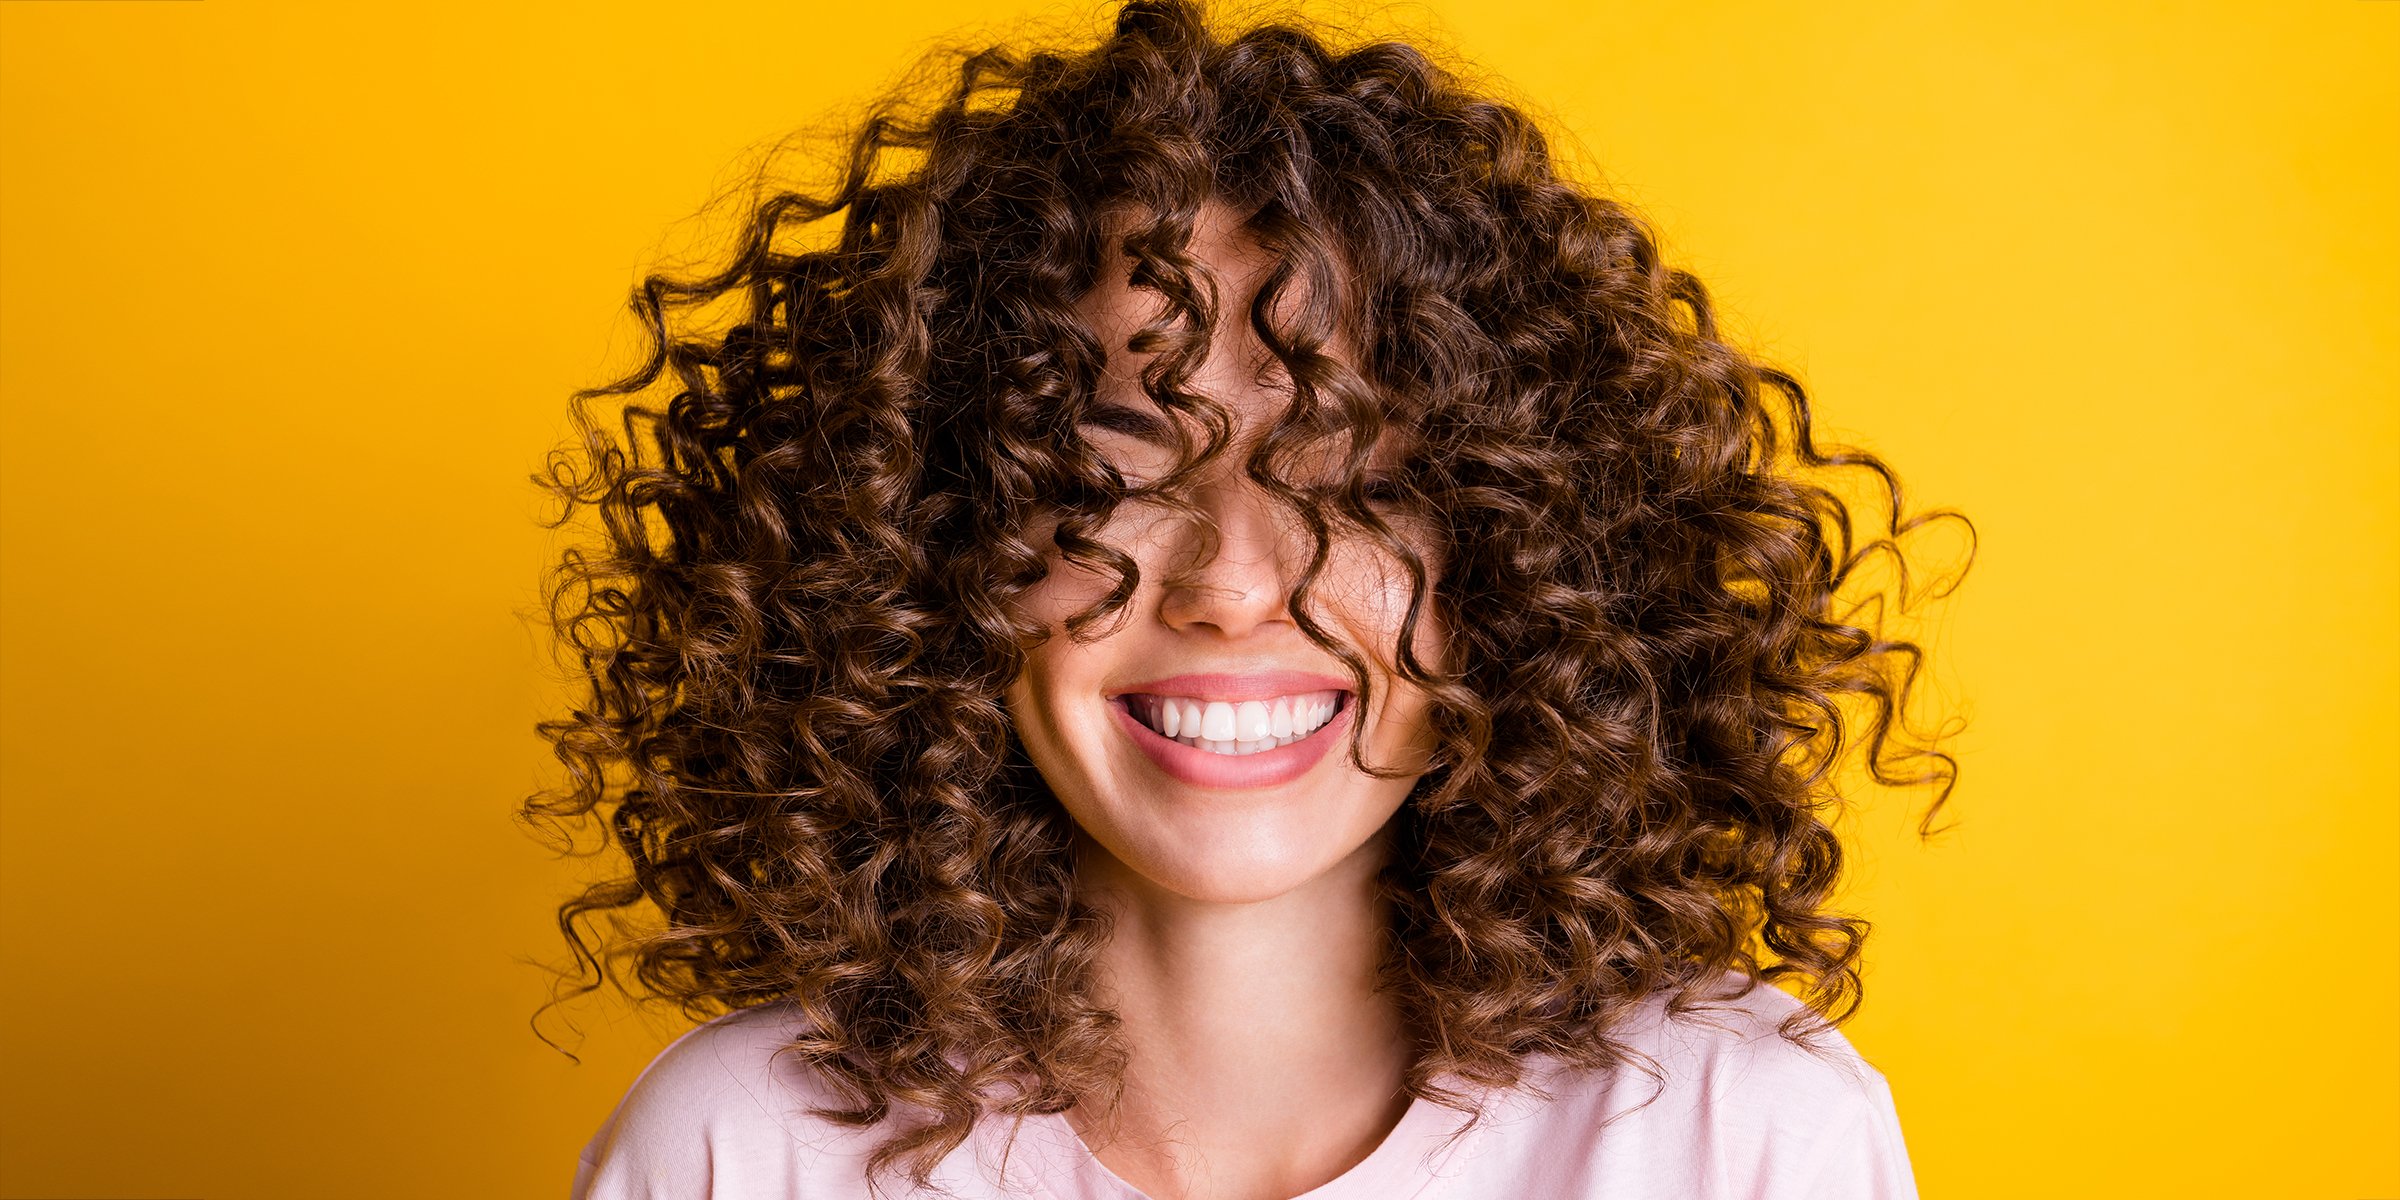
1262 685
1200 768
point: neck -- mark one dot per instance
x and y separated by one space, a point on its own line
1261 1059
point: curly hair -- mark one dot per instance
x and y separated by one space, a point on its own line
796 629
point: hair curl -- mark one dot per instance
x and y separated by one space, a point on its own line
796 627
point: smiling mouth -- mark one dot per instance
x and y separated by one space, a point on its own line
1244 728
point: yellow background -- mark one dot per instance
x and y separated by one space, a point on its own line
291 297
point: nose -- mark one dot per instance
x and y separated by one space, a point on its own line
1246 583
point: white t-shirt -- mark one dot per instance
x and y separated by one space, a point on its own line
1741 1114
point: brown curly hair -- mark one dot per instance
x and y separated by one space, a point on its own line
795 623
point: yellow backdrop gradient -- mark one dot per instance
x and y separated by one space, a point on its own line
292 295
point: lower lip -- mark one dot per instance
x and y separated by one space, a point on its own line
1266 768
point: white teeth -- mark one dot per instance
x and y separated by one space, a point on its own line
1254 720
1217 721
1238 728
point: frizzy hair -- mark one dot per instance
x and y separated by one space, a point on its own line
795 623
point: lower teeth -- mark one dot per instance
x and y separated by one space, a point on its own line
1236 749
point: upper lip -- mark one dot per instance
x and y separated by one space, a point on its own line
1232 688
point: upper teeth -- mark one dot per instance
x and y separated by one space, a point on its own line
1232 723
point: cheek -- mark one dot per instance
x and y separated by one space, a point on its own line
1378 590
1063 593
1371 589
1136 530
1069 588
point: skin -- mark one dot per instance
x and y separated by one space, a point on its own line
1262 1062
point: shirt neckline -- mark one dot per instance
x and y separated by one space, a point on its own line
1400 1166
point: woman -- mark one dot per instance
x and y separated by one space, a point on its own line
1233 636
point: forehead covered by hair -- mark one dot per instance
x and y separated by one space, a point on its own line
1385 209
1250 323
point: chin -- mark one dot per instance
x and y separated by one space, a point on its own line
1235 866
1234 883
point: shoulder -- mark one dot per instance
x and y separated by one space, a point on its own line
720 1112
1720 1102
1737 1049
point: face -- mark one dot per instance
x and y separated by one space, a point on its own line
1201 744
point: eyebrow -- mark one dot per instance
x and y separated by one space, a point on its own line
1150 428
1130 421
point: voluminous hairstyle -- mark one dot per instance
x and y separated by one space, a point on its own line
795 622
